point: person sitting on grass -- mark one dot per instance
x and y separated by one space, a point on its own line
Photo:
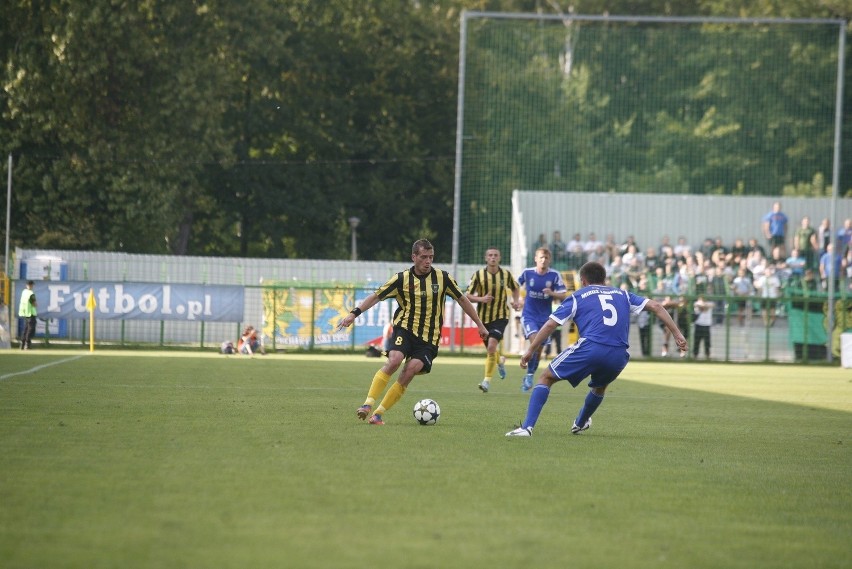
250 343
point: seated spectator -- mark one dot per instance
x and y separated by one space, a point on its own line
742 288
665 243
612 248
809 281
682 249
635 272
652 260
805 240
848 260
753 245
643 287
631 253
737 253
707 247
756 263
725 271
796 265
823 236
616 272
779 261
844 237
593 249
718 257
703 278
574 248
831 265
663 285
718 282
719 245
669 260
539 243
683 276
768 287
699 259
557 247
627 243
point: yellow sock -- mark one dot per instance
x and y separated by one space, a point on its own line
377 387
490 365
393 395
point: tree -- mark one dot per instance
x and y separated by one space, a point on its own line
111 119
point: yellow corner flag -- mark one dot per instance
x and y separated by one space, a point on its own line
91 305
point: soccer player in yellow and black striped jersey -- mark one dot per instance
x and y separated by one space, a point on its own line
420 292
489 288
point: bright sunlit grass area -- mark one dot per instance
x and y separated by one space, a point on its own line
175 459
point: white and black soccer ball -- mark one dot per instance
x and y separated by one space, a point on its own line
427 412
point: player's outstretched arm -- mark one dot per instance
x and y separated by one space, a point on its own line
366 305
660 312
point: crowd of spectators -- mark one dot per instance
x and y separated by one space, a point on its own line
805 261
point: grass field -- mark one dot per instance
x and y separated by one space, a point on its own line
128 459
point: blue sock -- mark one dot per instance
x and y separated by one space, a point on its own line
592 403
537 400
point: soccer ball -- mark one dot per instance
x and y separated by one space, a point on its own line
426 412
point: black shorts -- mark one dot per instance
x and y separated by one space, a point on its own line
402 340
496 329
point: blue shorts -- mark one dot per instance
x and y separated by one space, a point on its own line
531 328
585 358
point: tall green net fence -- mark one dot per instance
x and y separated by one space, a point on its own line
572 104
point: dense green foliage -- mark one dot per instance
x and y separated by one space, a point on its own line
258 128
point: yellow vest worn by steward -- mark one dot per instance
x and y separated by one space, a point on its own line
27 309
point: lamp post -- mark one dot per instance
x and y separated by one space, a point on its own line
353 223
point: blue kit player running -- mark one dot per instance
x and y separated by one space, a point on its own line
541 285
602 314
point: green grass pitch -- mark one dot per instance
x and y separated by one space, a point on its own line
129 459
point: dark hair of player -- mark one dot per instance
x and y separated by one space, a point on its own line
593 273
421 245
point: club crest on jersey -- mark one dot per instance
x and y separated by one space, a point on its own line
548 284
435 289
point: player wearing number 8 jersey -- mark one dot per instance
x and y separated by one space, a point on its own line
602 314
420 293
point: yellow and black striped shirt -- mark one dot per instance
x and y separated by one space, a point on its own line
421 301
497 285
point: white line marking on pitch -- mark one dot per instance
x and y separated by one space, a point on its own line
38 368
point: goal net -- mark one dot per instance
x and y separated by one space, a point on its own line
643 106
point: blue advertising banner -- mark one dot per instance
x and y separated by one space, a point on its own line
140 301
